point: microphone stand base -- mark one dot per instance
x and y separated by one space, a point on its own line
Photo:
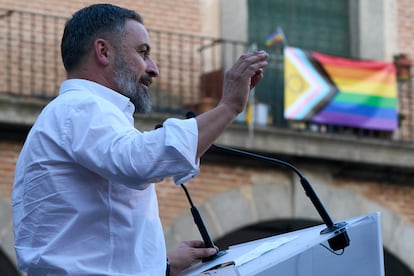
341 240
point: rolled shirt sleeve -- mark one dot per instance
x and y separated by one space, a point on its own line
182 135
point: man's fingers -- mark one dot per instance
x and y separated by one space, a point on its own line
250 63
244 75
201 253
199 249
247 65
257 77
195 243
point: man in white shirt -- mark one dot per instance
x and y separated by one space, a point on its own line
84 201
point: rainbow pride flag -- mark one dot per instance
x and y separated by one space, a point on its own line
365 97
307 89
275 37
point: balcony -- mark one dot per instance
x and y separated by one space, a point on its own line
191 74
191 66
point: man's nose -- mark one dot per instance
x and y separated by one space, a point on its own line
152 68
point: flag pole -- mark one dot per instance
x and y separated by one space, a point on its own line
250 114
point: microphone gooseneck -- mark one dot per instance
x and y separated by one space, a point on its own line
208 242
341 240
198 220
303 180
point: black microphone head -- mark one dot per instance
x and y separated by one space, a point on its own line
190 114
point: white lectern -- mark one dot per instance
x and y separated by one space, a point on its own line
303 253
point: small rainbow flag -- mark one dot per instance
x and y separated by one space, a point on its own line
275 37
365 97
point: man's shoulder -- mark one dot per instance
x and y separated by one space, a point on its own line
78 92
73 99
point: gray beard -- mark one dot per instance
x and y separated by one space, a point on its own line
129 85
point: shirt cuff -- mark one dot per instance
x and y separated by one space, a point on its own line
183 136
181 179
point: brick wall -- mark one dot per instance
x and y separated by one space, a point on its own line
179 16
405 23
405 10
397 197
213 179
218 178
9 152
30 62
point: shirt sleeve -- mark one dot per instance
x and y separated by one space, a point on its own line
101 138
187 133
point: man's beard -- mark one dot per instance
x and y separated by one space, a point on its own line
129 85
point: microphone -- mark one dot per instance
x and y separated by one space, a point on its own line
208 242
338 242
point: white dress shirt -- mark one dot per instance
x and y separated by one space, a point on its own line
82 199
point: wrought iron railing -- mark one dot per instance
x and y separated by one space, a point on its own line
191 71
30 63
30 54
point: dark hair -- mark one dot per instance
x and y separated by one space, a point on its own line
95 21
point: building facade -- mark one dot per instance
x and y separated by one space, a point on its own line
354 173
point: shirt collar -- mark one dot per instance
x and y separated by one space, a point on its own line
121 101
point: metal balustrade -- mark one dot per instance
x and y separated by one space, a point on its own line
191 71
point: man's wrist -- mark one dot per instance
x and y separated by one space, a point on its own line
228 110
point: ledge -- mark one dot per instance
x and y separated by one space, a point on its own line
19 113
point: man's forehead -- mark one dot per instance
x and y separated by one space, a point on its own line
134 29
135 26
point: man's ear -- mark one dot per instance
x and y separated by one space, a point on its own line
102 49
